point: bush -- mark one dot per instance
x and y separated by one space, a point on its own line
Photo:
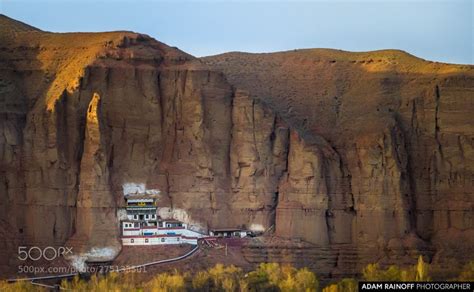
21 286
418 272
273 277
467 272
345 285
109 282
373 273
201 281
306 280
167 282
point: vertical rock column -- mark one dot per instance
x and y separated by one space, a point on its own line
95 203
380 185
303 198
257 159
315 203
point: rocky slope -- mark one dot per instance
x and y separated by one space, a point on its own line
330 147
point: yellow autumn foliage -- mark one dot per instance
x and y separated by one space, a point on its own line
266 277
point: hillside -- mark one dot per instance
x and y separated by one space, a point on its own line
9 27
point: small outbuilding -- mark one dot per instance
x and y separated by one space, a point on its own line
229 232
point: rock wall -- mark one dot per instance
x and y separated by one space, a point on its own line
314 189
258 159
379 149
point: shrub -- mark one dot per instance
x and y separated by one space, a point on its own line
201 281
467 272
345 285
21 286
274 277
306 280
109 282
418 272
167 282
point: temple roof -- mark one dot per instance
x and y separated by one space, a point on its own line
141 196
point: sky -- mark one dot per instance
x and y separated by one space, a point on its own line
437 30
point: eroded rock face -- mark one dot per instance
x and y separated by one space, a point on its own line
377 153
337 149
315 189
86 114
258 159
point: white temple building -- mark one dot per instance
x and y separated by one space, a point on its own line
144 227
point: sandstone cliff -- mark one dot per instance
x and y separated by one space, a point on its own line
331 147
381 150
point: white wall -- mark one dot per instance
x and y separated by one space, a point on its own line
157 240
138 188
156 231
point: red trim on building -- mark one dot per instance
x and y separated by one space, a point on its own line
154 227
158 236
148 236
209 238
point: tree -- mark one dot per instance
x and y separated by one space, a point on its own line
306 280
418 272
225 278
422 270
